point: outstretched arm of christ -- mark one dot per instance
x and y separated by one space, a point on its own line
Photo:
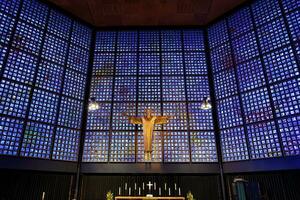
162 119
133 120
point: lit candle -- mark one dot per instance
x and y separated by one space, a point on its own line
129 191
175 186
179 191
159 191
119 190
139 191
125 186
169 191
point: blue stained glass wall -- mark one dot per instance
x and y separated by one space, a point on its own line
255 59
164 70
43 68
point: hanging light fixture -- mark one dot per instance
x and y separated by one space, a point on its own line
93 104
206 105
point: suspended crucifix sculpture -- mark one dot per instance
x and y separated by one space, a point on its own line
148 121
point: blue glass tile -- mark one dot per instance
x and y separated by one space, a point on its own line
59 24
99 119
172 63
281 65
43 106
245 47
240 22
218 34
221 58
126 64
10 135
193 40
200 119
286 97
101 88
6 26
70 113
263 140
176 147
203 146
66 144
78 59
229 112
289 5
20 67
173 89
195 63
149 41
149 89
119 121
105 41
50 76
265 10
251 75
294 25
272 36
81 35
122 147
234 144
74 84
257 106
149 64
103 64
197 88
14 99
10 6
127 41
37 140
3 52
125 89
96 146
289 130
171 40
178 113
225 84
34 12
54 49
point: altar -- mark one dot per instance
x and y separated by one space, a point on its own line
152 198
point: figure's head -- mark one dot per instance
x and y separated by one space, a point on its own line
148 112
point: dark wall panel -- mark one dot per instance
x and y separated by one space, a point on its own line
95 187
20 185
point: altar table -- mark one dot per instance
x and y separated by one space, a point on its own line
149 198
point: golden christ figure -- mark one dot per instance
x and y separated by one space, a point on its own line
148 121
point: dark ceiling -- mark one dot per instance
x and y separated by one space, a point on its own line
147 12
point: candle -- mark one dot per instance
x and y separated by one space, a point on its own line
139 191
119 190
165 186
179 191
143 186
159 191
154 186
169 191
129 191
125 186
134 186
175 186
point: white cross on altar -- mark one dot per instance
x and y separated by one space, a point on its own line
149 185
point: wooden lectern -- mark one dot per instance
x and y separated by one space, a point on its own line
148 198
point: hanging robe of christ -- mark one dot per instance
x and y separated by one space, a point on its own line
148 121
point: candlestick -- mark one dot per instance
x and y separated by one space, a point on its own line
159 191
139 191
129 191
179 191
125 186
169 191
119 190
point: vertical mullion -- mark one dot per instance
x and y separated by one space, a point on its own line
217 131
238 89
11 39
113 96
61 89
34 81
186 95
267 84
84 118
163 135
